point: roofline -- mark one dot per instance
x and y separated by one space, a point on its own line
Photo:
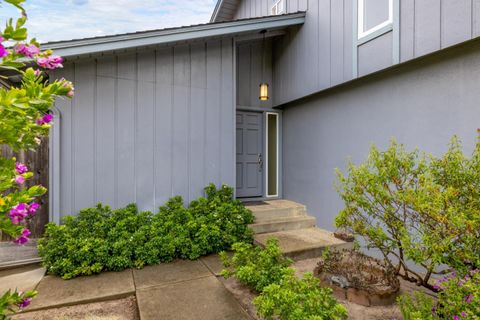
134 40
216 10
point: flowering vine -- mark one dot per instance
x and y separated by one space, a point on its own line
24 118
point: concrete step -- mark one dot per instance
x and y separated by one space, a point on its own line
276 209
304 243
283 224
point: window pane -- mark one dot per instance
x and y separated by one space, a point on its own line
376 12
272 140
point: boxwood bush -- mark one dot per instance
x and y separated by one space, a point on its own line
101 239
282 296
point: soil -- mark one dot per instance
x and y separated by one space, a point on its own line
242 294
363 272
123 309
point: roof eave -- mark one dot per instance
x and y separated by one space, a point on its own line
129 41
216 10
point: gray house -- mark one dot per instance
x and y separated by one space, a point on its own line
164 112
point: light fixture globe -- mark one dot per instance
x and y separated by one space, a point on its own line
264 92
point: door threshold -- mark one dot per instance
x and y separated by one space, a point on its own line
256 199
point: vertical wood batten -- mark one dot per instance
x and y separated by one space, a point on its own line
181 120
427 26
196 120
145 130
212 137
65 148
84 136
126 133
105 131
164 125
227 151
456 21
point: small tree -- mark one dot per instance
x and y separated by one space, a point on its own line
421 212
24 118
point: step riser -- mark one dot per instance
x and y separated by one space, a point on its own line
262 215
283 226
316 252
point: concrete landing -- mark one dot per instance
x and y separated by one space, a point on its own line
303 243
12 255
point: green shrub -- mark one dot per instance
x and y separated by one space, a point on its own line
299 299
257 267
101 239
417 306
421 212
282 294
458 298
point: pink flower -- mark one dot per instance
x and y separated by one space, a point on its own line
27 50
32 208
24 237
25 302
69 85
18 213
46 119
37 72
20 168
20 179
51 62
3 51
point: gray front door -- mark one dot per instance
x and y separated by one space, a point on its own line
249 154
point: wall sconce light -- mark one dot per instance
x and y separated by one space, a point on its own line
263 86
264 92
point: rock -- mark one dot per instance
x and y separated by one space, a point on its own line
340 281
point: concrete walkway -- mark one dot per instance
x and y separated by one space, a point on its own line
180 290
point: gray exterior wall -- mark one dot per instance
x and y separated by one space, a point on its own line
146 126
249 73
324 52
422 103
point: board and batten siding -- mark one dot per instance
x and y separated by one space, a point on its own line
322 53
146 126
250 57
314 56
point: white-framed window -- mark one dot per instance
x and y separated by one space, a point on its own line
374 15
272 146
278 7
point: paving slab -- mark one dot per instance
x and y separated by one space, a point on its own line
165 273
199 299
122 309
214 263
22 279
54 291
303 243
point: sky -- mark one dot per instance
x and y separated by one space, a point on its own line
53 20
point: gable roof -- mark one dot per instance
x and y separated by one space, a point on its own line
224 10
94 45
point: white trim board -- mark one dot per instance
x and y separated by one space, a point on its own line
361 20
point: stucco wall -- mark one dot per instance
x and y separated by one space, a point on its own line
145 126
422 104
